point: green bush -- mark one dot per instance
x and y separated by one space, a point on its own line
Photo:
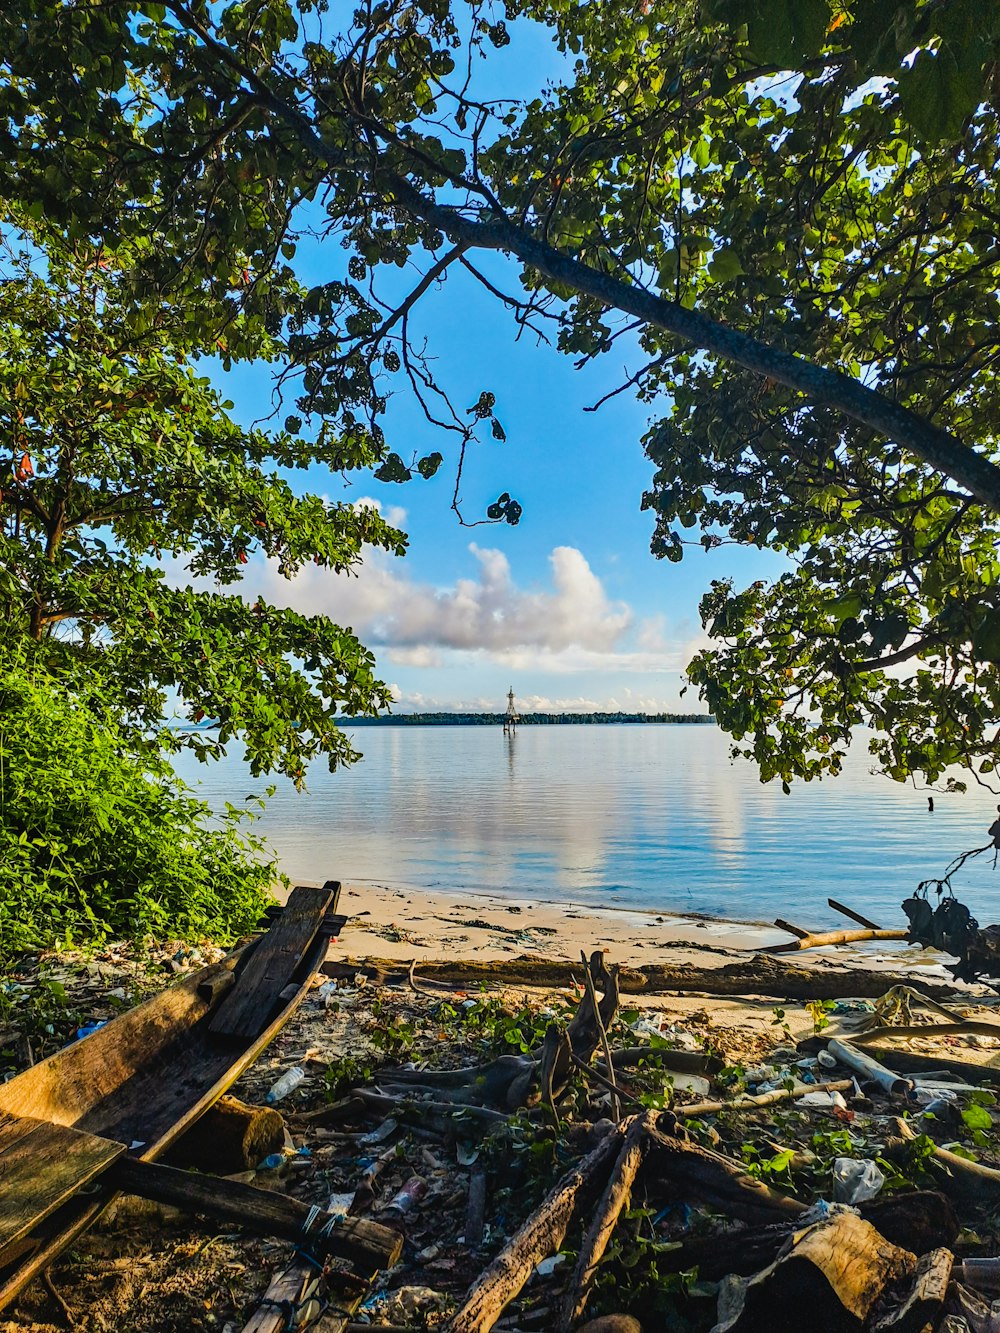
99 838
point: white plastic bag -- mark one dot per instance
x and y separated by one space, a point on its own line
855 1181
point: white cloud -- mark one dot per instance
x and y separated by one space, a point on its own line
488 613
568 627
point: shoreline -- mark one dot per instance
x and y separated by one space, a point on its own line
405 923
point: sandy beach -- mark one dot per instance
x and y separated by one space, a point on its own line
410 923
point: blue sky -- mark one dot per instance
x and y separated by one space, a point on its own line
569 607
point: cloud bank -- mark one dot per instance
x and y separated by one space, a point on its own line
489 613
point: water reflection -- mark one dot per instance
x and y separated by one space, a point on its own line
651 816
511 739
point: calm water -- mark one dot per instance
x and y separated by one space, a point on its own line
635 816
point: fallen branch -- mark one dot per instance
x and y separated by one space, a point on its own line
541 1235
762 1099
615 1197
797 931
595 1072
834 937
854 916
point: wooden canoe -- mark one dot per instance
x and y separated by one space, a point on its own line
135 1085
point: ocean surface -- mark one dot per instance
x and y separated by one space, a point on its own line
651 817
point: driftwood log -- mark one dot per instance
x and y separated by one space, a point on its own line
616 1196
685 1168
364 1244
830 1277
761 976
919 1221
653 1144
919 1305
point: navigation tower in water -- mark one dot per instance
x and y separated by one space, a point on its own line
511 718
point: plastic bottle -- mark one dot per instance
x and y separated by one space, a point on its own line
288 1082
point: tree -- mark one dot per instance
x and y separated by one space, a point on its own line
97 840
119 459
789 209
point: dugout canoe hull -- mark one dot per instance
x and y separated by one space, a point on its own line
141 1080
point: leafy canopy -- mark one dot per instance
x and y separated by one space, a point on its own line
124 478
784 212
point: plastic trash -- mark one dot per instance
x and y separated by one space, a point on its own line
88 1028
643 1027
760 1073
411 1193
939 1109
409 1301
288 1082
823 1100
826 1060
856 1181
821 1211
925 1096
548 1266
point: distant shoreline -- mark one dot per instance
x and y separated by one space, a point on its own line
525 719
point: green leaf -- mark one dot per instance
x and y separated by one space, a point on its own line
393 469
725 265
977 1117
986 639
782 31
429 465
941 90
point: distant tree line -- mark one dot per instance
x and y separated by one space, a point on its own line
524 719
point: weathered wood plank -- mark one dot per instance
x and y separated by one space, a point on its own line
41 1166
367 1245
247 1007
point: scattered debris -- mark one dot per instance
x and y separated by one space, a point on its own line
568 1158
